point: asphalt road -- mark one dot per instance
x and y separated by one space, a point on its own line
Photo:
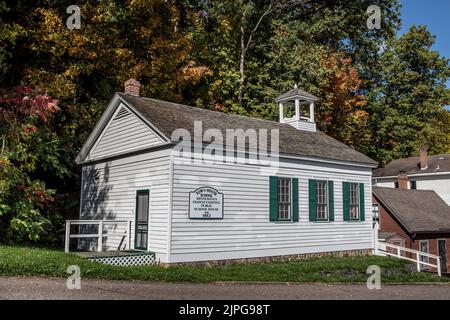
55 288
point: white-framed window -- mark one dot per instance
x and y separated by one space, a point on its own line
397 242
322 200
354 201
376 210
424 247
284 195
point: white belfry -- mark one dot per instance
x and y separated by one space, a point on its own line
293 111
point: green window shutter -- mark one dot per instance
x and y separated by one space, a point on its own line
294 199
346 200
362 211
330 201
273 199
312 200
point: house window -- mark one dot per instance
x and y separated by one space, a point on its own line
284 199
395 242
413 185
398 243
424 247
322 200
353 197
354 201
375 210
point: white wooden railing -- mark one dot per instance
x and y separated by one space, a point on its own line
414 255
99 235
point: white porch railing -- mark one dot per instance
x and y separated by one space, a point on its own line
99 235
419 257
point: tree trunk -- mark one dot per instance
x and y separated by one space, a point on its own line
3 146
242 66
245 46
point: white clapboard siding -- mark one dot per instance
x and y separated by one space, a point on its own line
245 230
124 133
108 191
439 183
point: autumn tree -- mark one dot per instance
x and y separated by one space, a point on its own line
27 144
341 109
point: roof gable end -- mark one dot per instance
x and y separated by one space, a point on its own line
120 129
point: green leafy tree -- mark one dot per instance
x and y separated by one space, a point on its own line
409 106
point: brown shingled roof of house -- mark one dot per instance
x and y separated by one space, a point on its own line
167 117
419 211
436 163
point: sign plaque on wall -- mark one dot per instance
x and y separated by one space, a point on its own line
205 203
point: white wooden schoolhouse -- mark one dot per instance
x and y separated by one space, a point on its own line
186 203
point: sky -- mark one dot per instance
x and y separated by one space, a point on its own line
435 14
432 13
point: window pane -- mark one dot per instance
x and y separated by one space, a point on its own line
284 198
354 201
322 200
424 248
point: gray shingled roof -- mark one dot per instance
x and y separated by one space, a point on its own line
296 92
167 117
417 210
386 235
437 163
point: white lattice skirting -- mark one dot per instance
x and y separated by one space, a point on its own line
130 260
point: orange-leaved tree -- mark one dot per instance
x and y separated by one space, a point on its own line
341 109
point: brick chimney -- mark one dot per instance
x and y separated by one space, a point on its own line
402 179
423 158
132 86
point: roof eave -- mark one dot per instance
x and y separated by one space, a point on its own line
403 224
143 118
99 126
329 160
127 153
296 96
432 231
419 174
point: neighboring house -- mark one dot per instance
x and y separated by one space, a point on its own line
314 198
391 237
416 219
424 173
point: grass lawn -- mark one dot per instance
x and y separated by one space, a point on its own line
26 261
